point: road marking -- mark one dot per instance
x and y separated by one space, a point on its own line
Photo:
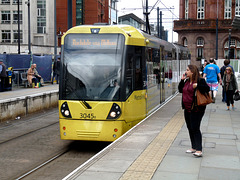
146 164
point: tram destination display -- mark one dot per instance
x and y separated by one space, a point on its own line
102 41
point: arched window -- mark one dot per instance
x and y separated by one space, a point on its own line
200 47
185 42
200 42
234 49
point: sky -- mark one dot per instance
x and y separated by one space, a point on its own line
169 8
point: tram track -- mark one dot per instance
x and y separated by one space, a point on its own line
30 148
41 165
6 141
50 167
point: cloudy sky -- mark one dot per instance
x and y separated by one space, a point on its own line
169 8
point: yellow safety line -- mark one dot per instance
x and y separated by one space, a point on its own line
147 163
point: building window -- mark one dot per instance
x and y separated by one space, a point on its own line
228 9
6 36
200 42
15 36
41 16
185 42
79 12
16 1
15 17
5 1
113 4
237 8
234 49
200 45
199 53
6 17
186 9
200 9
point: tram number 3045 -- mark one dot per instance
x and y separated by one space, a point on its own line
87 116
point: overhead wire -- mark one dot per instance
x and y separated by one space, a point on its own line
169 9
155 5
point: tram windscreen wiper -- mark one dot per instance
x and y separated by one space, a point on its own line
87 105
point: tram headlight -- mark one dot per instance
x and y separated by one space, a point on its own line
66 113
115 112
65 110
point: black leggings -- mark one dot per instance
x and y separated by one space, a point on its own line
193 121
229 95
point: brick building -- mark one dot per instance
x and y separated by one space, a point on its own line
42 21
196 28
85 12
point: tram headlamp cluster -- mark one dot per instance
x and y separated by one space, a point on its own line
115 112
65 110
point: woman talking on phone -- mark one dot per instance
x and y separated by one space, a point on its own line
193 114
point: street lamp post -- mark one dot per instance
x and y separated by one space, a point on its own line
29 28
217 33
229 42
69 14
55 31
18 27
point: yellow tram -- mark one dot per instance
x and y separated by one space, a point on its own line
112 77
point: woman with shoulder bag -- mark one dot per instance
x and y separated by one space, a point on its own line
192 113
230 86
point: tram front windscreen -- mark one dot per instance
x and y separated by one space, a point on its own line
92 67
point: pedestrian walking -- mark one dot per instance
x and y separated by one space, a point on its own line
56 70
204 65
3 75
222 71
230 86
212 74
193 114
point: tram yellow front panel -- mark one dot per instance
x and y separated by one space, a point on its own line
89 122
91 130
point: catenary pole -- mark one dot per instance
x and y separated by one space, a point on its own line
55 30
18 27
217 33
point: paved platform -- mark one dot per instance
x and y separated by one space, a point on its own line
155 148
22 92
23 101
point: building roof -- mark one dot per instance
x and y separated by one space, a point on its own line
133 16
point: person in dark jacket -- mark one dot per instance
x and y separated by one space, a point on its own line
192 113
3 75
56 70
222 71
230 85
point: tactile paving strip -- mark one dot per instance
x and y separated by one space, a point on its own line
146 164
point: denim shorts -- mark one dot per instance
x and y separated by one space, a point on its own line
213 86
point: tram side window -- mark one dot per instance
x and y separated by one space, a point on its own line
153 71
135 70
138 73
129 75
